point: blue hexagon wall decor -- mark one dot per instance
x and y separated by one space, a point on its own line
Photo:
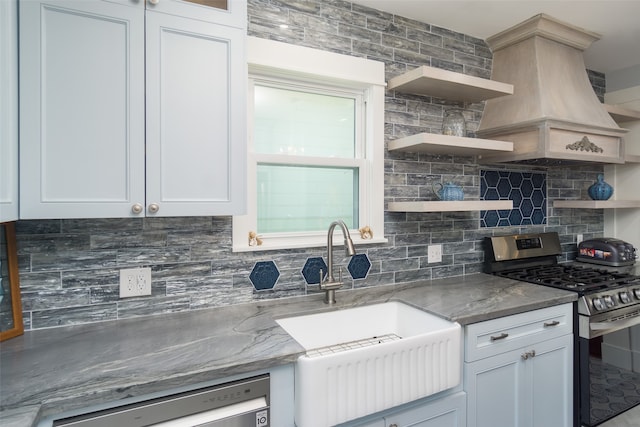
264 275
359 266
312 268
527 190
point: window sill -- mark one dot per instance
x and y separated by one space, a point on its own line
283 243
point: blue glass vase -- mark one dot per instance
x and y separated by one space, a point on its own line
600 190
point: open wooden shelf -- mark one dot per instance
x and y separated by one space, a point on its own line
632 158
453 86
446 144
450 85
450 206
596 204
622 114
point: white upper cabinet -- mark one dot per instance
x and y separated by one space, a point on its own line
85 151
196 109
81 109
8 110
232 13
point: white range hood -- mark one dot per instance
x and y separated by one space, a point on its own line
554 116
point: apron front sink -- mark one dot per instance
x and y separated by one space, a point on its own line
366 359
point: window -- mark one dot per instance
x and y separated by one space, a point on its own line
315 151
307 148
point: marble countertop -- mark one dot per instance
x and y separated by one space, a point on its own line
49 371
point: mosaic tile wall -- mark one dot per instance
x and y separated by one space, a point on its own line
527 190
69 268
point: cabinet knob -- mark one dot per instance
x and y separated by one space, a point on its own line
393 425
528 354
154 1
137 208
153 208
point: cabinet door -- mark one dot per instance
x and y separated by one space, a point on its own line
196 126
81 109
232 13
447 411
509 390
8 110
550 374
495 390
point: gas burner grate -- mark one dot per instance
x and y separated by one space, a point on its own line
569 277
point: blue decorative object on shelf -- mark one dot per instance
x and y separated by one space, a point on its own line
448 191
264 275
600 190
312 268
359 266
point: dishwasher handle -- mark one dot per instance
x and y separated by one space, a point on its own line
240 403
225 414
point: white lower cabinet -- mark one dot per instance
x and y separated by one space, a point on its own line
446 411
518 370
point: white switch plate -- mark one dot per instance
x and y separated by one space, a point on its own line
579 238
434 254
135 282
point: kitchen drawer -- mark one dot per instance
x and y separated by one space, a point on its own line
508 333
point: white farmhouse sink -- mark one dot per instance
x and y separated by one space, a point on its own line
366 359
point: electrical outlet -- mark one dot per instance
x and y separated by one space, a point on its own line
135 282
579 238
434 254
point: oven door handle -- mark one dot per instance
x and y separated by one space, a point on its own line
612 326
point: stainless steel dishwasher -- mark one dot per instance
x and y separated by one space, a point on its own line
243 403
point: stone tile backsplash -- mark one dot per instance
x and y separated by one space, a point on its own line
69 268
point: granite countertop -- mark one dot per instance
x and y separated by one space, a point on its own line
50 371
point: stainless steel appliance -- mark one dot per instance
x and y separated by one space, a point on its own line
607 251
243 403
607 338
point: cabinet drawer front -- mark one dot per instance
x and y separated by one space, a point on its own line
496 336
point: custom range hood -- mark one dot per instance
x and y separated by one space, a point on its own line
554 116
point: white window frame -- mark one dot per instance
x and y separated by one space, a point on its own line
293 64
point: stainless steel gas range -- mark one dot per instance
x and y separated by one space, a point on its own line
606 321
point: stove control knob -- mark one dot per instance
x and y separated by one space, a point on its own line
636 292
625 298
598 304
609 301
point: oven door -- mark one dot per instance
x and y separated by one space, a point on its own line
606 323
609 373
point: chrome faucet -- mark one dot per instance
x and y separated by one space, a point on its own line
330 284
